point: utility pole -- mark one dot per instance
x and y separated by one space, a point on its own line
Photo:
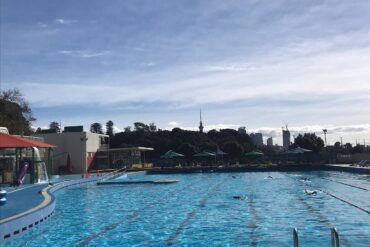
341 141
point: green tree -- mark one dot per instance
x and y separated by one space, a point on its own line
309 141
55 126
152 127
358 149
208 146
138 126
96 128
187 149
15 112
127 129
337 145
109 126
348 146
233 149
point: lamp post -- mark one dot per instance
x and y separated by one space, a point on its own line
325 131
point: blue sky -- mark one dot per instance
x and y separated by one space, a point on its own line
245 63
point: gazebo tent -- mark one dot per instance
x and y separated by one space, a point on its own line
298 150
171 158
171 154
221 153
204 154
18 143
253 154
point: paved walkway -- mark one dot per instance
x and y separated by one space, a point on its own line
22 200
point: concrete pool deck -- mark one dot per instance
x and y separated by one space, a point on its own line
21 200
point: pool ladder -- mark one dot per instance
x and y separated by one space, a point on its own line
334 237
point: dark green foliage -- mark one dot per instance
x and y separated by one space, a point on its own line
96 128
109 126
309 141
233 148
358 149
138 126
152 127
15 113
187 149
348 146
183 141
55 126
337 145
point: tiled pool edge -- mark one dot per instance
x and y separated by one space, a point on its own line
289 168
20 224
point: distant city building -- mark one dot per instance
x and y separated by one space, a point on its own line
242 130
200 123
286 138
270 142
257 139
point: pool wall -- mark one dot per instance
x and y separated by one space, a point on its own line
288 168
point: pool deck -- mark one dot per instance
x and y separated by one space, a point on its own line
349 168
21 200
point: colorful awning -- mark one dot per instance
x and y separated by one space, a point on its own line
11 141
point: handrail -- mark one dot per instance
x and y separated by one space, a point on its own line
295 237
334 237
113 173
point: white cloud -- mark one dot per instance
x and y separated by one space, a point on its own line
64 21
116 129
149 64
84 53
42 25
173 124
228 68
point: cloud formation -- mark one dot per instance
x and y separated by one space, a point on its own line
244 62
84 53
64 21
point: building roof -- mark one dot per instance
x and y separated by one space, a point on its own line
11 141
129 149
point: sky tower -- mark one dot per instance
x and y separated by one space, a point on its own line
200 122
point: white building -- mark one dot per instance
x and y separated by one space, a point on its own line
80 147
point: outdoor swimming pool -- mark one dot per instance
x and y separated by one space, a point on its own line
200 210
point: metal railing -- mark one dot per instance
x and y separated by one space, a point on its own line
334 237
295 237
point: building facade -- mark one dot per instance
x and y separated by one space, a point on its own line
257 139
286 139
75 151
270 142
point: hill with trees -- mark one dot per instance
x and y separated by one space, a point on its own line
183 141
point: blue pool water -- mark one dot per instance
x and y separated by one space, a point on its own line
200 210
